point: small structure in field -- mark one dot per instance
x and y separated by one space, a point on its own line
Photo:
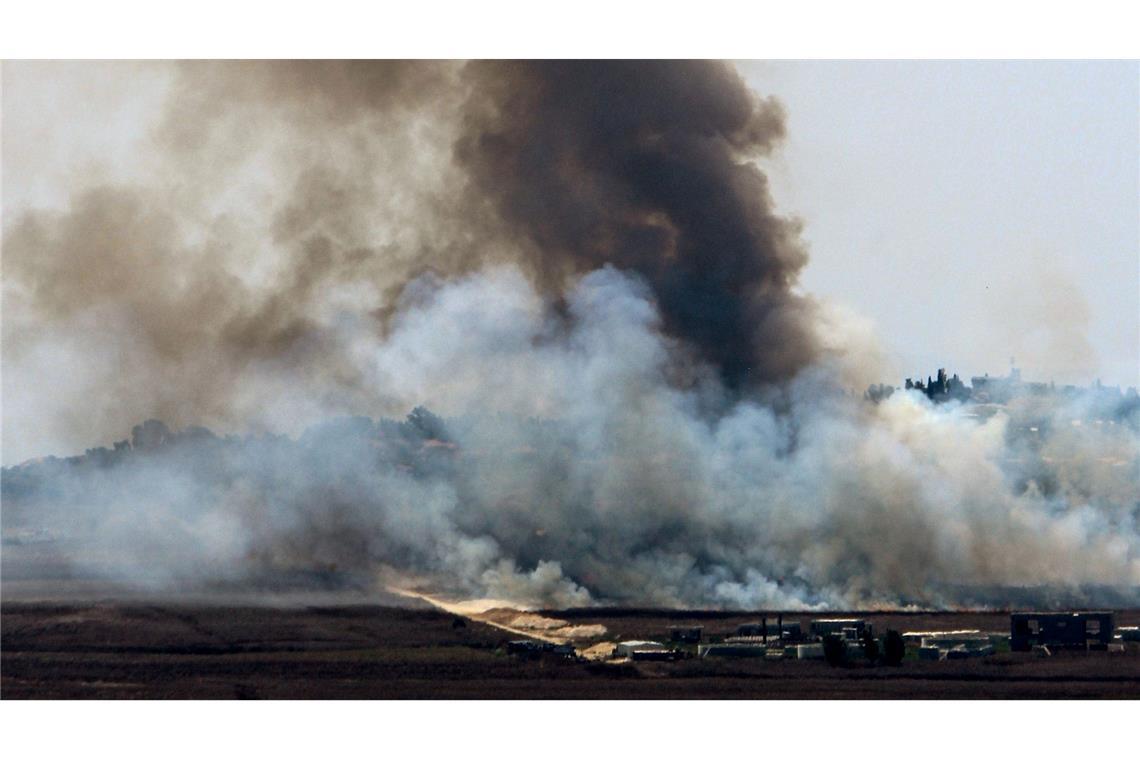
1060 630
627 648
732 650
771 630
850 629
525 646
656 655
962 652
915 638
747 640
751 630
809 651
952 645
951 639
532 648
686 634
789 631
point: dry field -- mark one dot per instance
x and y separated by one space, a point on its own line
136 650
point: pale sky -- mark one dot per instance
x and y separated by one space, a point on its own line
974 210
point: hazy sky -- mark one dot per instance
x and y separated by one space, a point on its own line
973 211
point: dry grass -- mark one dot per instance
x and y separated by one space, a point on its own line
170 651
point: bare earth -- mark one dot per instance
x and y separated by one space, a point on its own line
144 650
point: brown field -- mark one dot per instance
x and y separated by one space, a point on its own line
651 623
137 650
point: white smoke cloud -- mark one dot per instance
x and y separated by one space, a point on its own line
581 474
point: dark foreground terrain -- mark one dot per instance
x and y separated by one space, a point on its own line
137 650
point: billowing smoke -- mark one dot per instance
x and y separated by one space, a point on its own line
578 268
273 204
645 166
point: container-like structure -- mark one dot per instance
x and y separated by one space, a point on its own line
627 648
686 634
1060 630
733 650
848 628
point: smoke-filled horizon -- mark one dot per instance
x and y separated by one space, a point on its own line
592 244
628 491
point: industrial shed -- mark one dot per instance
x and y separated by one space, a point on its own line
686 634
848 628
777 629
627 648
732 650
1061 630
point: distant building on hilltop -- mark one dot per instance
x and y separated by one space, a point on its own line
1104 402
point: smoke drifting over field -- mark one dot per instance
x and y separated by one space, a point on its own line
577 265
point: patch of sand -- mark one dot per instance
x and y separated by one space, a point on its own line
559 628
502 615
600 651
538 622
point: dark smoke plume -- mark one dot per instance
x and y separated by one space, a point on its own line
645 166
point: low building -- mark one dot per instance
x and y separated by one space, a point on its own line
564 650
627 648
915 638
686 634
848 628
732 650
655 655
751 630
525 646
790 631
1060 630
745 640
532 648
962 652
809 651
954 639
772 629
952 645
